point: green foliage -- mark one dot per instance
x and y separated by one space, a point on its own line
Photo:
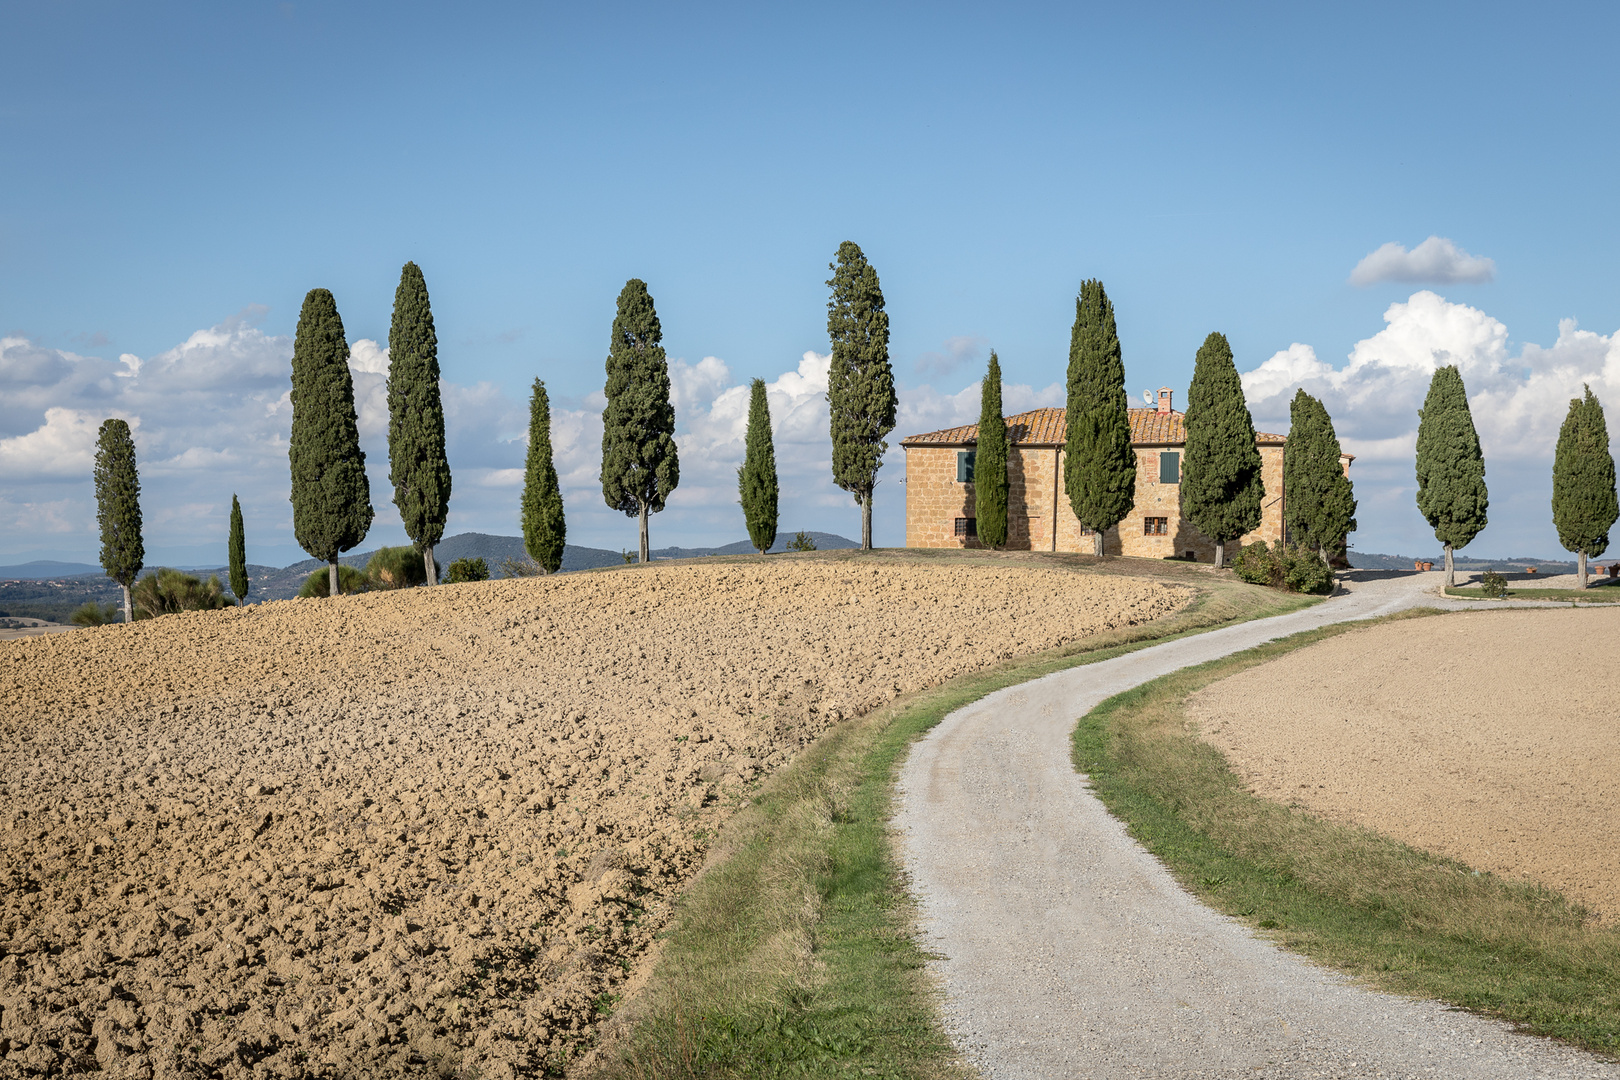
1583 501
1318 502
417 465
467 570
1221 483
395 568
990 461
1493 585
545 531
169 591
1450 467
94 614
1292 569
860 385
118 503
640 466
523 567
802 541
330 494
237 548
350 581
1099 468
756 476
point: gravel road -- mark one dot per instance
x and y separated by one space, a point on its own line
1068 951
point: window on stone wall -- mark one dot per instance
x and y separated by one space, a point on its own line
1170 467
1155 526
967 526
964 466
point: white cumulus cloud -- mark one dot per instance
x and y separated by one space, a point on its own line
1436 261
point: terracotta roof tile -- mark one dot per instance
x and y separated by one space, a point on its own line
1047 427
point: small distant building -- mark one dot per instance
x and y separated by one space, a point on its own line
940 497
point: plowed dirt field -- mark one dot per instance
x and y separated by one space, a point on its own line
433 831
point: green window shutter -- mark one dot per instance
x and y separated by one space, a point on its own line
1170 467
964 466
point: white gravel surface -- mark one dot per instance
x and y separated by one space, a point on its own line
1067 951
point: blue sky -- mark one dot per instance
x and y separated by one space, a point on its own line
179 178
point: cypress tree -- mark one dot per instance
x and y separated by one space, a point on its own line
1099 467
1583 500
1450 467
417 466
544 530
1221 483
756 476
238 554
860 385
330 494
640 466
1319 505
118 507
990 461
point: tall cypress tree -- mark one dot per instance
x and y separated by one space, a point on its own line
417 466
1583 500
238 554
1221 483
640 466
990 461
544 530
756 477
860 385
118 507
1319 505
1450 466
1099 467
331 496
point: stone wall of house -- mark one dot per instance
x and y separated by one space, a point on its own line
934 500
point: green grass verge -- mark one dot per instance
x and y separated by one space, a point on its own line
791 955
1607 594
1402 919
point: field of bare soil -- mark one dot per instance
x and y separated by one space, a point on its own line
1490 737
432 831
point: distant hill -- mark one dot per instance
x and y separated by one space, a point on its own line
46 568
1366 560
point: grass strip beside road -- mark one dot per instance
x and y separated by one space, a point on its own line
792 954
1605 594
1399 918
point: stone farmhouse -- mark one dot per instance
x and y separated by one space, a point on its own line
940 497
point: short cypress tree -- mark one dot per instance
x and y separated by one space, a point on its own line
118 507
860 385
1583 501
756 477
238 554
544 530
417 466
1099 466
1319 505
1450 467
640 466
331 496
1221 483
990 461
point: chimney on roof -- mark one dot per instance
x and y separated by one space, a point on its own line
1164 399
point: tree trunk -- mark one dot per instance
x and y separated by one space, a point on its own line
429 565
1321 553
1220 554
1451 577
129 613
332 569
1580 568
1097 542
646 552
866 522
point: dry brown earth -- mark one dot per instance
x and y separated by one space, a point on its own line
1491 737
432 830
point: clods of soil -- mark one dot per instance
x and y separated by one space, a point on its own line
431 831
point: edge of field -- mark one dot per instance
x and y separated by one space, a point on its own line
1396 917
792 951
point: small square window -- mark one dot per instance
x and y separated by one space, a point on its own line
1155 526
967 526
1170 467
964 466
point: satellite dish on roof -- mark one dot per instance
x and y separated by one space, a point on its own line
1147 396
